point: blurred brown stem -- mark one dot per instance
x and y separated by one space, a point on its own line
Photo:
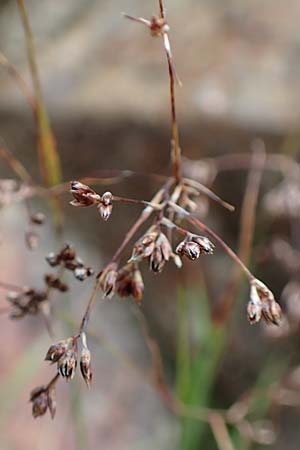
247 225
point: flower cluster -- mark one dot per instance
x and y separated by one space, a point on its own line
68 259
262 304
65 354
86 196
43 399
28 301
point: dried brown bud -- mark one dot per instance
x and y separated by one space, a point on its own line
38 218
262 299
108 278
85 366
39 399
68 362
83 195
43 398
56 351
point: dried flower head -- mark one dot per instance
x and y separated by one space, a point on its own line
42 399
67 258
262 304
83 195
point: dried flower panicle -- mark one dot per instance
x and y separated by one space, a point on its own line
43 399
67 258
262 304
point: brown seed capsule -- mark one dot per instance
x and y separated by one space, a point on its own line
39 399
83 195
67 363
56 351
254 308
137 285
189 249
271 310
108 278
144 247
105 206
85 366
161 253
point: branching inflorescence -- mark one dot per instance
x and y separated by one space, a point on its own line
174 233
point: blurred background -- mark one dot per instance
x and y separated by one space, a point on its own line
105 85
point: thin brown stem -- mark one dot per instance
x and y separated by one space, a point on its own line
14 73
53 381
86 316
197 223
